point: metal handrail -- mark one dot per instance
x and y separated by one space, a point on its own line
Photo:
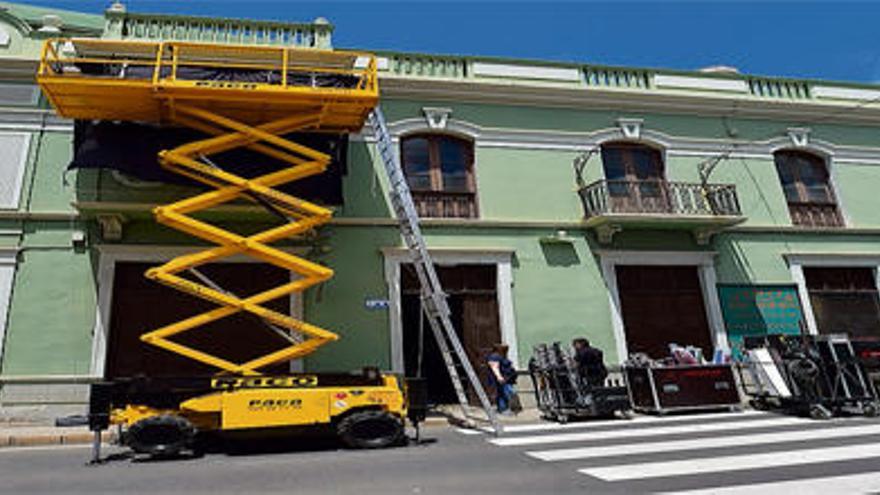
659 197
166 59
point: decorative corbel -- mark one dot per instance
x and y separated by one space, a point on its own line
436 117
605 232
704 236
111 226
630 128
800 136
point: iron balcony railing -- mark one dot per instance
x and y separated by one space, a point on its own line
605 197
815 215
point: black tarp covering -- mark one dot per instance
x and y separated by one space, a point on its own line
294 78
132 149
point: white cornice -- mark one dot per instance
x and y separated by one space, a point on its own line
653 100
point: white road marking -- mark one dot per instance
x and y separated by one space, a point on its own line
639 420
704 443
769 421
645 470
467 431
854 483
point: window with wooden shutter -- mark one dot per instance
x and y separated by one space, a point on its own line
439 169
635 178
808 192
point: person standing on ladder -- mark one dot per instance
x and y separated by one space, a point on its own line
502 377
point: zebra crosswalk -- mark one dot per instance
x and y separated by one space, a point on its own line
723 453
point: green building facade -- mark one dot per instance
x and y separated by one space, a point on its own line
636 207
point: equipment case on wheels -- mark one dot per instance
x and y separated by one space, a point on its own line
818 375
682 388
563 394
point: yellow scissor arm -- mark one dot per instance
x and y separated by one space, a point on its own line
278 91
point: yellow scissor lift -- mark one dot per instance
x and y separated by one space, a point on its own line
241 96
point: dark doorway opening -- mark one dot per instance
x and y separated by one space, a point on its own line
473 301
141 305
662 305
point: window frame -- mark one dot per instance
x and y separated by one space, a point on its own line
435 165
831 292
782 160
431 200
628 160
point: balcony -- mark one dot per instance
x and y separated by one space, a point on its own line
611 206
432 204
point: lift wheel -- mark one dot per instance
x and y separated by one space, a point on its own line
370 429
164 435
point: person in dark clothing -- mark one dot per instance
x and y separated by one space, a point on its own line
502 377
590 362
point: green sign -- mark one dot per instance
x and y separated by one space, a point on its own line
759 310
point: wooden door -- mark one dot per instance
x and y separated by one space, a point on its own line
140 305
662 305
481 330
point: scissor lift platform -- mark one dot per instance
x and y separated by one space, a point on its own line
143 81
254 97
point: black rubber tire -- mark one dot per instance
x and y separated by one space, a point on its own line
869 410
370 430
160 436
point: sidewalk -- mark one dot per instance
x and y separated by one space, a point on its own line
28 435
452 414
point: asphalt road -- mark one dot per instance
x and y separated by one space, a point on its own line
750 453
448 463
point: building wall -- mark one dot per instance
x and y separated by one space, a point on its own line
526 193
558 289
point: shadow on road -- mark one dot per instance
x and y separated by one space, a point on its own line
254 444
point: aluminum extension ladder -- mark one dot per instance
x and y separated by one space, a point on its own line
434 302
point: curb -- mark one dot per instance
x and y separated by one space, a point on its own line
31 440
436 421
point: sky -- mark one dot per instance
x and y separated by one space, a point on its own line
824 40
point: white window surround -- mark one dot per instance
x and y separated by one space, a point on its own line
404 129
703 260
8 257
12 173
501 258
797 262
112 254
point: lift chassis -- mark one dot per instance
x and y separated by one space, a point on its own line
162 416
